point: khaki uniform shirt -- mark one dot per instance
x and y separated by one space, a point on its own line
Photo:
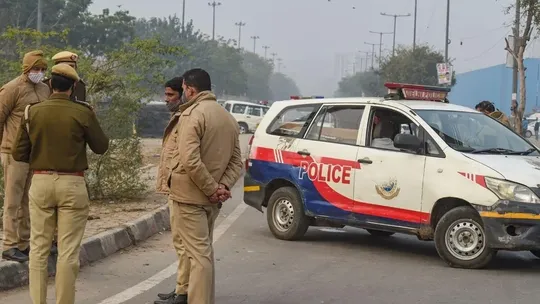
14 97
60 129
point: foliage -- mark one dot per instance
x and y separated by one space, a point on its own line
361 84
117 83
418 66
282 87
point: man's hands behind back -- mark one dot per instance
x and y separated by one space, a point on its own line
222 194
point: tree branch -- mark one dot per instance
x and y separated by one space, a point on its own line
531 9
510 50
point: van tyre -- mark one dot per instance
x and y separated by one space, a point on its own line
243 127
460 239
285 214
380 233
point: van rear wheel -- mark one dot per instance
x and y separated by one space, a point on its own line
243 127
285 214
460 239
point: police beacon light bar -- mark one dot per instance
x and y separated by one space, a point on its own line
308 97
400 91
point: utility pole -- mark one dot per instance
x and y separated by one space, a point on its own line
395 21
372 52
279 64
380 44
265 47
414 34
366 59
183 15
516 40
240 24
213 5
255 43
39 15
447 31
274 58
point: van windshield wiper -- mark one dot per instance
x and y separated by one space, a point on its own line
495 151
526 152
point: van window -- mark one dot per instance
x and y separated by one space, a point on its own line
293 121
254 111
337 124
386 124
228 107
239 109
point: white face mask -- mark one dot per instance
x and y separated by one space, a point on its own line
36 77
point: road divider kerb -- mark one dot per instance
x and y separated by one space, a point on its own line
95 248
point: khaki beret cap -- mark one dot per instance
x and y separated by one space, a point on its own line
65 56
65 70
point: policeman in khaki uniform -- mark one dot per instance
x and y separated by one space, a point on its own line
52 139
26 89
79 93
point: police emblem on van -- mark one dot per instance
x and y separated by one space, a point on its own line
388 190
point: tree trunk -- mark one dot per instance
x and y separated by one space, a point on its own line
522 91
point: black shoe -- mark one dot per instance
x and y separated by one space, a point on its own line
14 254
166 296
176 299
26 251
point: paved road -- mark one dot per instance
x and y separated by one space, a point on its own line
328 266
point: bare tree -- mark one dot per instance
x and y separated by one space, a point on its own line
530 16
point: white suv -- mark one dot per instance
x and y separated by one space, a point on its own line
248 114
408 163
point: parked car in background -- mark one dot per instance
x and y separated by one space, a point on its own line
247 114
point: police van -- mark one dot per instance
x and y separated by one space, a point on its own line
411 162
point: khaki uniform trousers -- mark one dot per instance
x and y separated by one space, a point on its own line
182 274
195 225
56 202
16 217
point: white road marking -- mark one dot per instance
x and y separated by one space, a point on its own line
166 273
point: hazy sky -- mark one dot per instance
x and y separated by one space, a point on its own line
308 34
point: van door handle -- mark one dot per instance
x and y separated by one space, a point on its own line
304 152
248 116
365 160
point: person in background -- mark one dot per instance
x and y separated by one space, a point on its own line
55 150
206 166
14 97
489 109
524 126
71 59
175 104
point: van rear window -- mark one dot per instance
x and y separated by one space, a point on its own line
293 121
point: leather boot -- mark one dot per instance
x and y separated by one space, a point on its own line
176 299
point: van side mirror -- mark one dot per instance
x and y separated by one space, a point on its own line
407 142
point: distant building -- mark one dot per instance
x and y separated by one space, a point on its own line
495 84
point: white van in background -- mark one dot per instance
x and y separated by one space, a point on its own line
247 114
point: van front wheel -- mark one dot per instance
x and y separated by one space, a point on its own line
460 239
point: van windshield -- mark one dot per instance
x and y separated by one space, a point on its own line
476 133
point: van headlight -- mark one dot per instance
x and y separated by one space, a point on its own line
511 191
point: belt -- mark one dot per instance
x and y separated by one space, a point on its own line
80 173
